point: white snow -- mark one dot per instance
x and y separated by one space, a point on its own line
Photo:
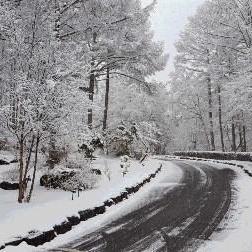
23 247
7 156
236 230
50 207
136 201
233 235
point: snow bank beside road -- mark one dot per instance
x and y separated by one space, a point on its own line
136 201
52 207
235 234
239 156
23 247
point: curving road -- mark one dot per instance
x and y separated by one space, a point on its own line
177 219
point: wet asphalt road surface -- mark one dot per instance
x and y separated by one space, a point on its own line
177 219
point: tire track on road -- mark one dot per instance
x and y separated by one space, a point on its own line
177 220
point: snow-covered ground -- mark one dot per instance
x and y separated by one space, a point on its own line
50 207
235 234
136 201
7 156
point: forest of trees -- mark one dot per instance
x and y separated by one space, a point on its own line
74 73
211 86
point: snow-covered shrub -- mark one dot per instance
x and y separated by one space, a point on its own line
89 147
134 140
10 175
3 143
74 175
146 140
56 156
118 141
82 180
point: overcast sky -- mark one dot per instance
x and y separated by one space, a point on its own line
168 21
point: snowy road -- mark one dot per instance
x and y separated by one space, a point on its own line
177 219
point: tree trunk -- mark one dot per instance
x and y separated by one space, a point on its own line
52 150
28 160
91 98
244 139
21 170
105 116
220 119
205 132
210 113
35 169
194 142
91 88
241 138
233 138
200 116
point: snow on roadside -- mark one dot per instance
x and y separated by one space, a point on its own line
23 247
236 233
50 207
170 172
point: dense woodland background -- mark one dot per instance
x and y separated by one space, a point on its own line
75 76
211 86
